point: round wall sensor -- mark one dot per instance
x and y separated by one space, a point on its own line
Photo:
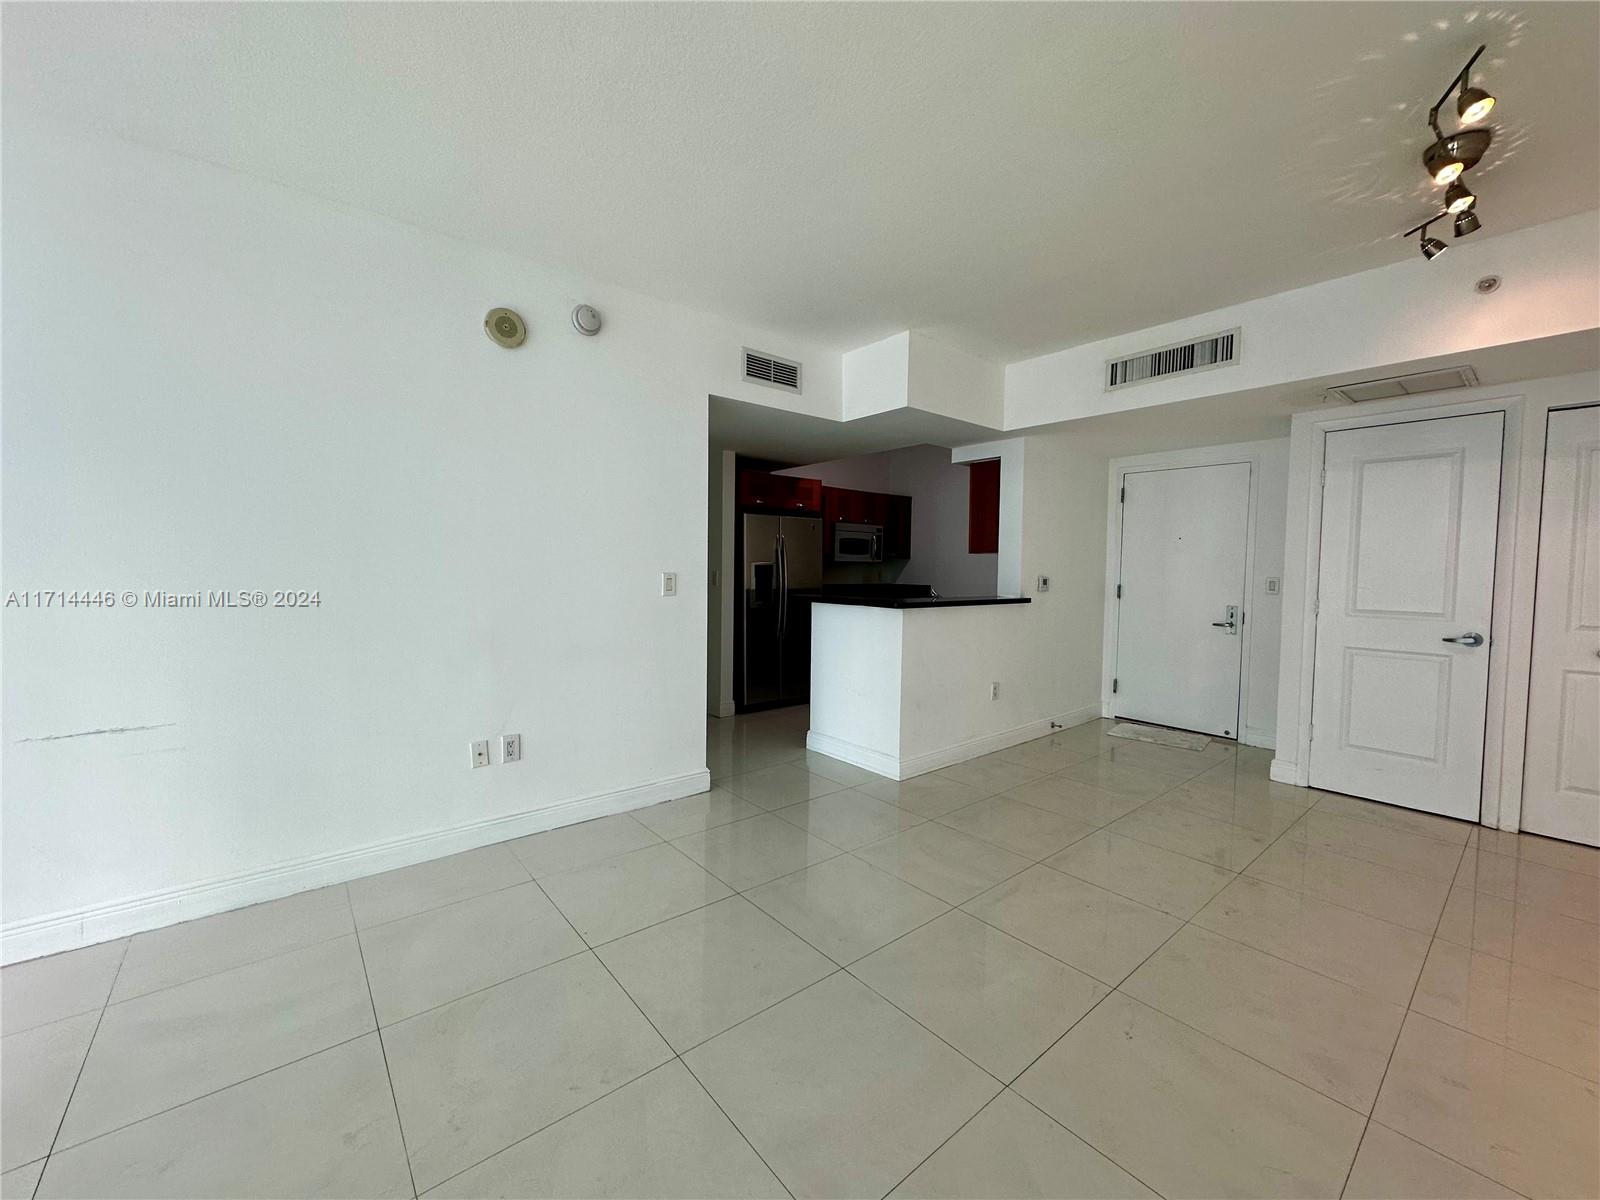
1487 284
586 320
505 327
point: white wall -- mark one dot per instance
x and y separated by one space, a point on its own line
940 492
1410 310
210 383
1527 406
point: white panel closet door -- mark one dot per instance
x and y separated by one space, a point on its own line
1180 620
1561 781
1405 593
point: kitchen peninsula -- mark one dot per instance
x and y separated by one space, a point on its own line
903 684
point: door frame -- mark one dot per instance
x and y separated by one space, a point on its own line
1252 453
1510 627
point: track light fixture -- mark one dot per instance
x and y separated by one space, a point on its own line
1450 155
1447 157
1431 247
1474 104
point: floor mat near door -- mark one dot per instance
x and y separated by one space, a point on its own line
1162 737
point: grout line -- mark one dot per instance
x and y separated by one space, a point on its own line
383 1050
1096 1150
216 1091
1400 1032
83 1063
677 1057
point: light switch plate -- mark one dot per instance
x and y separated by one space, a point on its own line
1044 583
1273 585
510 747
669 583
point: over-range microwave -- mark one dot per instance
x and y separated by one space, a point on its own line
857 543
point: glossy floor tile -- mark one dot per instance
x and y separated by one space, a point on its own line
320 1126
608 899
60 986
689 1150
1521 1122
164 1048
1013 1149
951 865
482 1072
420 962
1186 1114
845 907
866 1093
705 971
997 1000
1080 966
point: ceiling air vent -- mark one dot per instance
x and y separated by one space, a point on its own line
772 370
1404 385
1180 358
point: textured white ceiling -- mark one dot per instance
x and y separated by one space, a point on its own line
1011 178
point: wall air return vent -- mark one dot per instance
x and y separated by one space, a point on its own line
1404 385
1180 358
771 370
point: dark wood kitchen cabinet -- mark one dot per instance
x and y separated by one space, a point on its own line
779 493
897 528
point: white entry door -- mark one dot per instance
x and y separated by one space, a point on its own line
1405 593
1180 614
1561 781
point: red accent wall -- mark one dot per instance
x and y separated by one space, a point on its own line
983 507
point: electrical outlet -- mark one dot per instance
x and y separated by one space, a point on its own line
1044 583
669 583
994 691
510 747
480 754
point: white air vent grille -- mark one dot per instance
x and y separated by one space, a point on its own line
1404 385
772 370
1180 358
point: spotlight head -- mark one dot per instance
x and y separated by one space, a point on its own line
1458 198
1474 105
1466 222
1432 247
1446 158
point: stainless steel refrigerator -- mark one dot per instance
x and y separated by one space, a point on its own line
781 555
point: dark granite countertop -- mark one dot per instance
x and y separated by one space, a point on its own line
860 601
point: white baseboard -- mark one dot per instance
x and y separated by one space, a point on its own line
1284 770
86 926
864 757
889 765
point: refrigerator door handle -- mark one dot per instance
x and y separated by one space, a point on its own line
783 586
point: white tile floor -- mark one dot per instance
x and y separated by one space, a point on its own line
1080 967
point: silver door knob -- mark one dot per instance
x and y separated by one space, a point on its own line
1466 639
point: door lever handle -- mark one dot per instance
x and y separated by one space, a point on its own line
1466 639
